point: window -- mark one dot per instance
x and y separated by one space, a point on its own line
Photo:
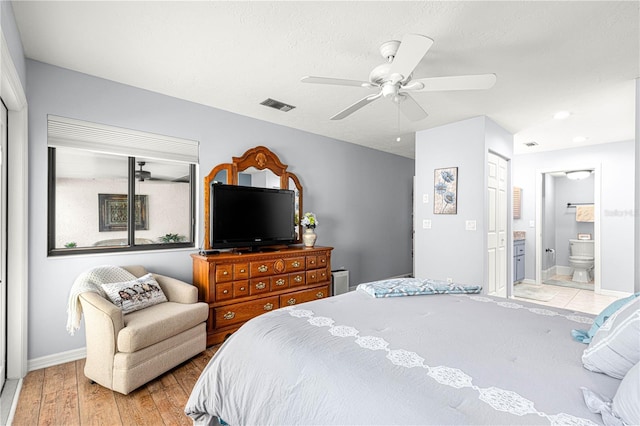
113 189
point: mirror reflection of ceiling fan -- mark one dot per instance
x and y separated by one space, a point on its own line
394 78
145 175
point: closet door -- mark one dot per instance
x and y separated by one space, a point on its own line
497 226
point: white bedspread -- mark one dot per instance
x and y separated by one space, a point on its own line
440 359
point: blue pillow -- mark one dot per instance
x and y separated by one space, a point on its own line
585 336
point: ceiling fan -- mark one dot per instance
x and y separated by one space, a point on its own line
141 175
394 78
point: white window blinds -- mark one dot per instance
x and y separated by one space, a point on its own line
70 133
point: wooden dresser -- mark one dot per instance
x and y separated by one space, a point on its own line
238 287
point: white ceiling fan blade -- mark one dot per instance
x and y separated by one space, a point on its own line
353 108
335 81
460 82
410 108
410 53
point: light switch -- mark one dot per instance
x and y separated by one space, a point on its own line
532 224
426 224
470 225
425 198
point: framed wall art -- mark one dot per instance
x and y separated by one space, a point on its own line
113 212
445 198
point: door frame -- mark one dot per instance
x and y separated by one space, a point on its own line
13 95
597 191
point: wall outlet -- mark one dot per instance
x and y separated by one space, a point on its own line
470 225
425 198
426 224
449 280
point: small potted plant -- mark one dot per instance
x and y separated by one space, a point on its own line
309 221
172 238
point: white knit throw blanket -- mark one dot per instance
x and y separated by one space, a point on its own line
91 281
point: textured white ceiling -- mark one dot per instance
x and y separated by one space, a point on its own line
548 56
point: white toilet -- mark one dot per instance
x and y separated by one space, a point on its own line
581 260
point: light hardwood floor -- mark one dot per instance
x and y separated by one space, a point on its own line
62 395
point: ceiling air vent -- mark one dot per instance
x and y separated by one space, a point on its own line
532 143
277 105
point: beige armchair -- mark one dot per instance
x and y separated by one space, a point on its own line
126 351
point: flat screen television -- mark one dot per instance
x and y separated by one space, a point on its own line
244 216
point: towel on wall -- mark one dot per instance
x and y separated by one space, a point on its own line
584 213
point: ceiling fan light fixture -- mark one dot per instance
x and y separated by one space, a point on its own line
578 174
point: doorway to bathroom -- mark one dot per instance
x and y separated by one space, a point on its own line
568 244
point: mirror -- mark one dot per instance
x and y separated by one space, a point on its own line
257 167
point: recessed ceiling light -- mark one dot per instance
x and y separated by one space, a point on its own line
398 139
579 139
561 115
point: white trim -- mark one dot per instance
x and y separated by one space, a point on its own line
14 403
13 95
78 134
57 359
614 293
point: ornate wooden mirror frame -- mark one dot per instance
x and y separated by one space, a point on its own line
260 158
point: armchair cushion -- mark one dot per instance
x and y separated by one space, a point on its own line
135 294
148 326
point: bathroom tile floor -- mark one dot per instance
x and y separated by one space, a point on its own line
575 299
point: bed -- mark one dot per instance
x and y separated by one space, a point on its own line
439 359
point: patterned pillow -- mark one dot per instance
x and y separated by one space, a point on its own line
134 295
625 403
615 348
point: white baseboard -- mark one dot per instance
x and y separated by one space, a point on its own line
614 293
56 359
564 270
548 273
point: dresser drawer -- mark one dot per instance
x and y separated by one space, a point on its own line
224 273
241 312
260 269
312 262
259 285
322 260
295 264
304 296
297 278
279 282
312 276
224 291
240 271
240 288
323 275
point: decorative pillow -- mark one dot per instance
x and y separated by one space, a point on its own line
586 336
626 403
134 295
615 348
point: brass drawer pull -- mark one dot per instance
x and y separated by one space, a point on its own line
313 277
298 278
319 295
241 288
322 260
260 285
263 268
295 264
280 282
313 262
242 271
229 315
225 291
291 301
225 272
268 306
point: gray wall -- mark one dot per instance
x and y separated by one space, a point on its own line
447 250
549 224
362 197
12 36
616 162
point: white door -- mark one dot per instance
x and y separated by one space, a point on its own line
3 246
497 226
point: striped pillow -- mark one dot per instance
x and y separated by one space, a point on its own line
615 348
